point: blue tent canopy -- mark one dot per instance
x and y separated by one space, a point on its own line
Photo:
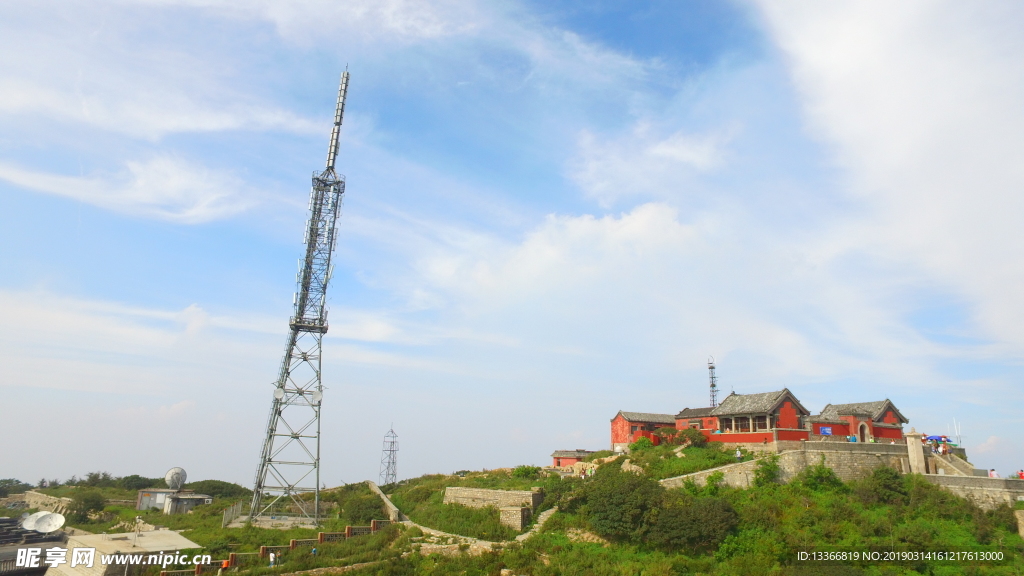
934 437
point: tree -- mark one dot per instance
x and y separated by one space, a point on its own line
136 482
10 486
85 502
695 437
621 505
219 489
98 480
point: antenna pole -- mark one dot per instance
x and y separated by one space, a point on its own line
714 381
289 470
339 113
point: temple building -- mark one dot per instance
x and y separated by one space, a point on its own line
628 427
767 417
878 421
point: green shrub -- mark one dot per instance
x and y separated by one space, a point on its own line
643 443
693 436
620 505
694 524
598 454
136 482
713 483
820 477
526 471
85 502
884 486
219 489
362 508
767 471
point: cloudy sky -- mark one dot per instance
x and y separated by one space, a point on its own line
555 211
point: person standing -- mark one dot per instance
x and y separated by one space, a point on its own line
272 558
739 455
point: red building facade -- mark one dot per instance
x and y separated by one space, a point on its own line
767 417
566 458
868 421
628 427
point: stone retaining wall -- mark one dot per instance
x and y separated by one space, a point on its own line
393 513
987 493
515 517
849 461
481 498
43 502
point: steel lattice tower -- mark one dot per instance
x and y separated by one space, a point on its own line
389 459
290 460
714 381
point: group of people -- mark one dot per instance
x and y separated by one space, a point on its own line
939 444
1018 475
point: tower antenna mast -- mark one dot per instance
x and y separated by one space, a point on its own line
389 459
290 460
714 381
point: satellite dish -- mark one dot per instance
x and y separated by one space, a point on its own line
317 397
278 393
49 523
175 478
30 522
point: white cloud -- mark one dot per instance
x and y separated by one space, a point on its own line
163 187
991 445
305 20
644 163
921 103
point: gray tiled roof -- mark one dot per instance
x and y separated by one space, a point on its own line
695 412
648 417
754 403
571 453
873 410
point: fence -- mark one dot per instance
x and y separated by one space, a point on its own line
236 558
234 511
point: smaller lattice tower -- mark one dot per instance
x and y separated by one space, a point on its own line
389 459
714 381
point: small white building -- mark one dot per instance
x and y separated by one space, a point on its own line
170 501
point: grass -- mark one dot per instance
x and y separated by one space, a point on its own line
660 462
422 500
108 493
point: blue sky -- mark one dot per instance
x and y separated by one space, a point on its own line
554 212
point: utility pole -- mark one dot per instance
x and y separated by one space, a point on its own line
290 460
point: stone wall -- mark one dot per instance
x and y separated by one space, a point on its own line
393 513
515 517
739 475
987 493
480 498
948 466
849 461
43 502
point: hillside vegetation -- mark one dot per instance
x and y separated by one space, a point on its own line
421 499
620 523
